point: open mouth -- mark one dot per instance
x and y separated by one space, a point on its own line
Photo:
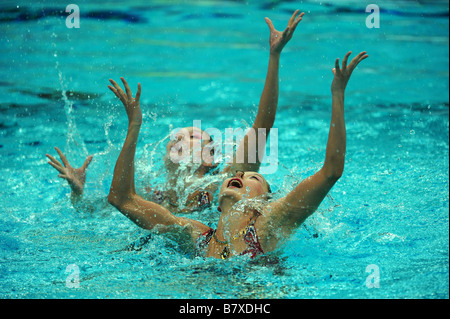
235 182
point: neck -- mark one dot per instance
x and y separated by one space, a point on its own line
221 229
225 224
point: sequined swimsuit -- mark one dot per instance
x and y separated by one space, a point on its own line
250 238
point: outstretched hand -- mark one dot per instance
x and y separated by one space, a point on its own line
279 39
76 177
131 104
342 75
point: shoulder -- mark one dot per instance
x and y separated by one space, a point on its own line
186 232
192 227
268 226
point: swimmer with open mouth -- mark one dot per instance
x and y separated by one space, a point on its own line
243 228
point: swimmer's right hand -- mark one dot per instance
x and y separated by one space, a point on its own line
76 177
342 74
131 104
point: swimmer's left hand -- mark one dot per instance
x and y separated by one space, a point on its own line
279 39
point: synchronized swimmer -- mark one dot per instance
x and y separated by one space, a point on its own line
248 220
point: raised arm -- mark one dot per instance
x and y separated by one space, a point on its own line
122 194
269 98
301 202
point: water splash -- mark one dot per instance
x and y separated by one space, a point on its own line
73 136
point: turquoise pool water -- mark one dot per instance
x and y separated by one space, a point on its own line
207 61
